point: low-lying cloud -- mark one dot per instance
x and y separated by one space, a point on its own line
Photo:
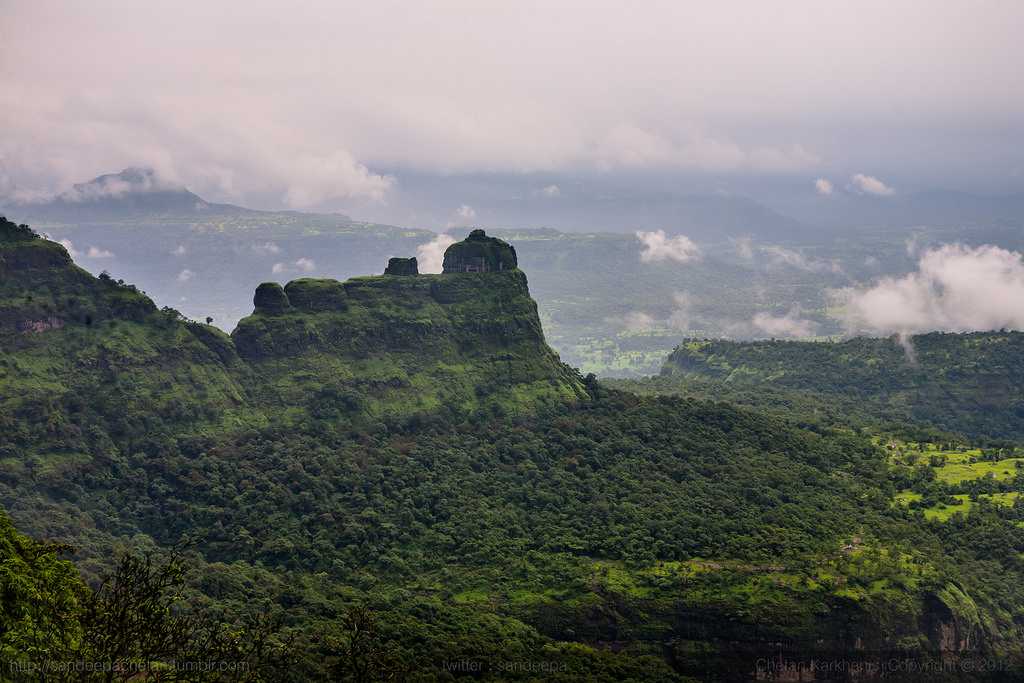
92 252
783 256
656 246
302 265
462 216
792 324
430 256
823 186
97 252
866 184
955 288
265 248
679 319
744 247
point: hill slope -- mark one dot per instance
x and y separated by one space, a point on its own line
961 383
487 507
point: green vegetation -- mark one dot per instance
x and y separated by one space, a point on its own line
464 341
399 477
55 628
966 384
948 481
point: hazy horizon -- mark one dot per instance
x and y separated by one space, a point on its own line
423 111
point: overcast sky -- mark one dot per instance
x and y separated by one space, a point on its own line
314 105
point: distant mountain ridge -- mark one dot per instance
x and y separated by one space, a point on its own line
134 193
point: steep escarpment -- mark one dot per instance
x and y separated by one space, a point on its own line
67 335
396 344
404 342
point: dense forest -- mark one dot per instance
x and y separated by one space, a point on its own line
963 384
393 478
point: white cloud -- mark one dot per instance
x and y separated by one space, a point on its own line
629 146
315 178
179 250
823 186
462 216
96 252
915 243
744 247
955 288
638 321
185 275
789 325
230 117
265 248
132 180
551 191
430 256
783 256
303 265
867 184
656 246
306 265
682 316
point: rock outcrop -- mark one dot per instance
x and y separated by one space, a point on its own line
316 294
402 266
270 298
459 341
479 253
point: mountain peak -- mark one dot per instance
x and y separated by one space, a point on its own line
135 185
130 192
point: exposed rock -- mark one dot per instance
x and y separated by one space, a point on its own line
270 298
479 253
402 266
459 340
316 294
36 326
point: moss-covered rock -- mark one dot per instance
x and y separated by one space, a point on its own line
402 266
316 294
410 344
479 253
270 299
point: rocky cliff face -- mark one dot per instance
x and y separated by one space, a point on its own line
378 345
402 266
479 253
406 343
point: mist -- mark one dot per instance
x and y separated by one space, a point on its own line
342 105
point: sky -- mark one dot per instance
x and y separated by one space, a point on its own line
369 107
